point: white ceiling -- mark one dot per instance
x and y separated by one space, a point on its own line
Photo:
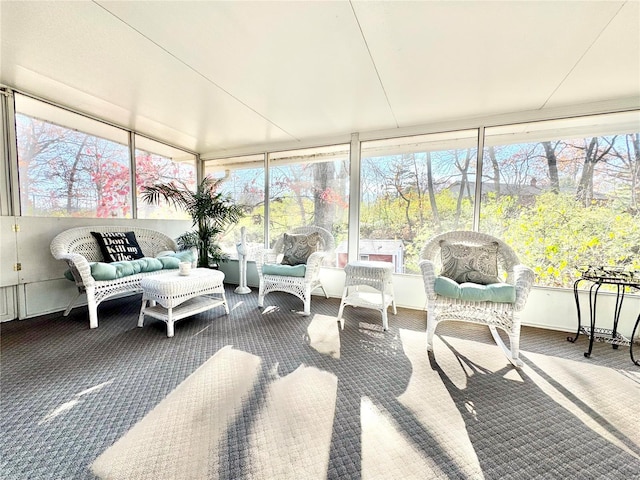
215 76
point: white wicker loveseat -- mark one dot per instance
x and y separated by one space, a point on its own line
79 248
479 306
300 286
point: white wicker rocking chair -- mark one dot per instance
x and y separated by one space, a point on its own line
301 287
503 315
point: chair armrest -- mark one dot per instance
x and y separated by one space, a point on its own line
264 255
523 278
428 269
314 262
79 267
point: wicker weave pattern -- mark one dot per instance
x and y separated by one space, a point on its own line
377 275
301 287
172 289
495 315
78 248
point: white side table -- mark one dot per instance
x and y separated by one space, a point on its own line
181 296
377 275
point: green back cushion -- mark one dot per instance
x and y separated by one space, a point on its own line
169 262
182 256
284 270
473 292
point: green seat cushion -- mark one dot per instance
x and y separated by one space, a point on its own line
473 292
102 271
111 271
284 270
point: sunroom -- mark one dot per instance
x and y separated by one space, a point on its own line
385 123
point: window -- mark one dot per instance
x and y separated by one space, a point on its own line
411 189
310 187
160 163
243 181
70 165
565 193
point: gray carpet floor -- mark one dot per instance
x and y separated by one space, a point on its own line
69 393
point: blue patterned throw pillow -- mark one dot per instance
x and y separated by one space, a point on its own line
298 247
466 263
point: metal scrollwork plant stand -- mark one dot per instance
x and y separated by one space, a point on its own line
623 280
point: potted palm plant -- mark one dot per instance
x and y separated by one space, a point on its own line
211 212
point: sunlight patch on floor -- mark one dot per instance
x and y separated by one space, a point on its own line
66 406
183 433
270 309
324 335
387 452
291 437
236 306
426 390
575 386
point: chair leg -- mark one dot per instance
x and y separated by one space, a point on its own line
512 353
93 308
514 340
431 330
341 310
307 301
261 295
72 303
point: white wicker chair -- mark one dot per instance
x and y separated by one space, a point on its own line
78 248
502 315
301 287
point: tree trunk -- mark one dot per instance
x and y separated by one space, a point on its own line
552 163
324 207
432 194
71 180
496 170
635 170
464 181
592 155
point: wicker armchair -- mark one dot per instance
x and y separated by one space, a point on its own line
301 287
504 315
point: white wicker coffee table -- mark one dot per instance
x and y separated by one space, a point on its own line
171 296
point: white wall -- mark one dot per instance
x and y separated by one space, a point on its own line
40 287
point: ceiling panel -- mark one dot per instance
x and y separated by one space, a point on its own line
612 64
302 65
80 45
446 60
216 76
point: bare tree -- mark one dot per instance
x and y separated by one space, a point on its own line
496 169
324 209
592 155
552 163
462 163
432 194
